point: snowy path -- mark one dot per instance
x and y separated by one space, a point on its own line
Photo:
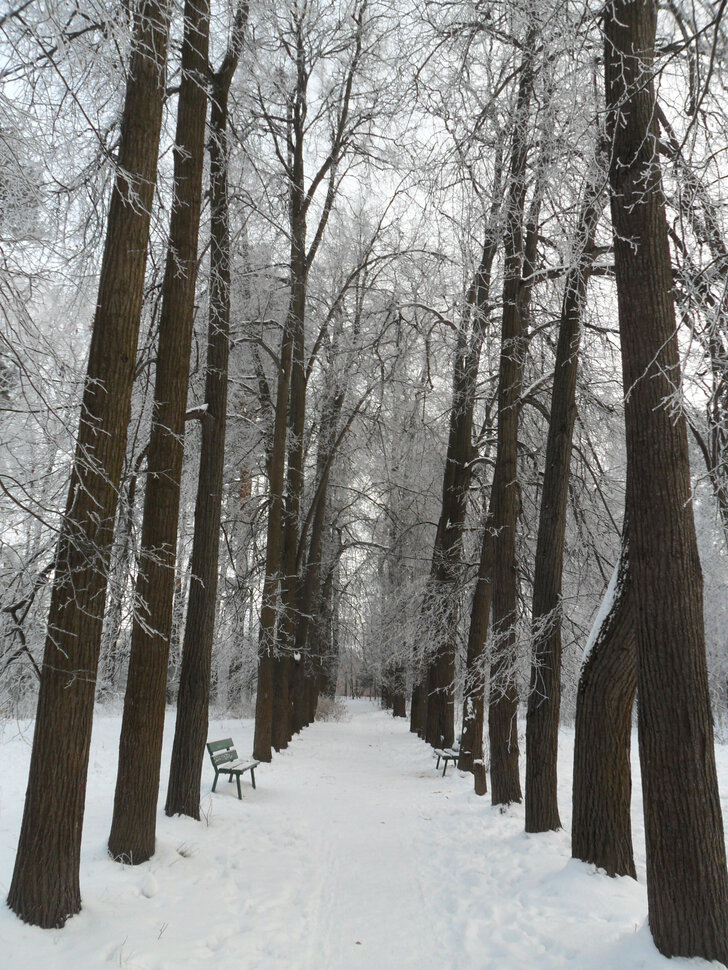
353 852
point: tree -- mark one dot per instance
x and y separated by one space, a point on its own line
133 824
190 733
471 742
438 695
687 882
518 256
544 697
601 827
45 886
308 41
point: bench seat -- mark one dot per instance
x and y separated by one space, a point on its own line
446 755
225 761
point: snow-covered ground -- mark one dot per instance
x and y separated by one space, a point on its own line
353 852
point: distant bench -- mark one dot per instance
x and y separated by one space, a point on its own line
225 761
445 755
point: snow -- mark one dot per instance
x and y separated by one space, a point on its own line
353 852
603 611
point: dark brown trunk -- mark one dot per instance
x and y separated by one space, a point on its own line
263 735
399 702
687 883
133 824
44 889
471 741
423 707
309 589
415 707
282 728
437 712
503 708
272 706
298 693
544 698
312 692
601 831
190 734
302 257
325 632
281 731
439 677
702 215
440 687
399 705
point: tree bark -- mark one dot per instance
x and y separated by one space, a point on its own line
416 706
309 588
399 699
601 830
702 215
471 742
190 734
275 653
326 627
133 824
440 609
544 698
262 738
435 705
44 889
687 883
503 708
282 727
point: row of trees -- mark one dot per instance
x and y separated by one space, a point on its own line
398 431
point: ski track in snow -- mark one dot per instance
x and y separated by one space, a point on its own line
353 852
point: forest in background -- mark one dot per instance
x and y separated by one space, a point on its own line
399 316
385 306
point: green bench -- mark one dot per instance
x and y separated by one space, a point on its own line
447 754
225 761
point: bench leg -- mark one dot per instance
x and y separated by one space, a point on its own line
438 763
444 767
217 774
252 776
237 778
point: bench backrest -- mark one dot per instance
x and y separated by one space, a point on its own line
222 751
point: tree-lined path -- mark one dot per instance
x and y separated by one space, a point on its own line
353 852
426 323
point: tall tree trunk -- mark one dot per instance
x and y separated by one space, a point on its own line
399 699
601 830
282 728
262 738
326 637
438 711
44 889
190 732
702 215
687 882
503 708
471 741
416 704
440 609
308 592
544 698
133 824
